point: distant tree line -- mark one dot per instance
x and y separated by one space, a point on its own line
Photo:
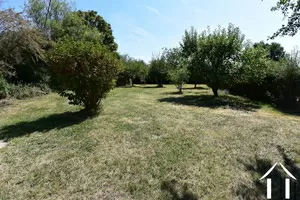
223 59
51 45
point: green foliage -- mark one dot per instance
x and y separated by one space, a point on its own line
133 69
218 54
189 42
158 70
21 49
255 65
3 87
46 14
189 47
276 82
173 57
73 26
288 81
290 9
84 72
20 91
178 72
92 19
179 76
276 51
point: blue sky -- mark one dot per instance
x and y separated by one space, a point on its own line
143 27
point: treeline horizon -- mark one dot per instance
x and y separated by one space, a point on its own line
51 45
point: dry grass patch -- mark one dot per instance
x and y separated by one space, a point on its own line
147 143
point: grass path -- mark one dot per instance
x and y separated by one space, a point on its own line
148 143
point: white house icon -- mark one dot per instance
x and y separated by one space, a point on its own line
287 182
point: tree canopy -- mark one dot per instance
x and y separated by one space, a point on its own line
45 14
19 41
218 52
92 19
275 50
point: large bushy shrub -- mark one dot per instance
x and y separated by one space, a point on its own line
263 79
84 72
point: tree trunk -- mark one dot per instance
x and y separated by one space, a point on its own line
215 91
179 87
195 85
130 82
160 85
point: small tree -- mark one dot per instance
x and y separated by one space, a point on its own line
158 70
218 54
132 69
189 48
84 72
179 76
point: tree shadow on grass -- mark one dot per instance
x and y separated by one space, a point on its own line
148 87
197 88
258 189
173 93
210 101
289 112
55 121
172 190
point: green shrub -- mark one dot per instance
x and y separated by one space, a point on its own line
3 88
272 82
84 72
179 76
26 91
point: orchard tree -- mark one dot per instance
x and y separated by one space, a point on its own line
189 48
179 76
158 70
83 71
218 53
178 72
92 19
172 57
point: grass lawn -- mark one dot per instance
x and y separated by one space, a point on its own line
147 143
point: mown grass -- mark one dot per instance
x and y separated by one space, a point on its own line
147 143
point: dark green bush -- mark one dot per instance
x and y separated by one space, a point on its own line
280 85
84 72
3 88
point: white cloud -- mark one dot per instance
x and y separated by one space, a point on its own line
153 10
140 32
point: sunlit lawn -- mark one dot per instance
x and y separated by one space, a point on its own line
147 143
